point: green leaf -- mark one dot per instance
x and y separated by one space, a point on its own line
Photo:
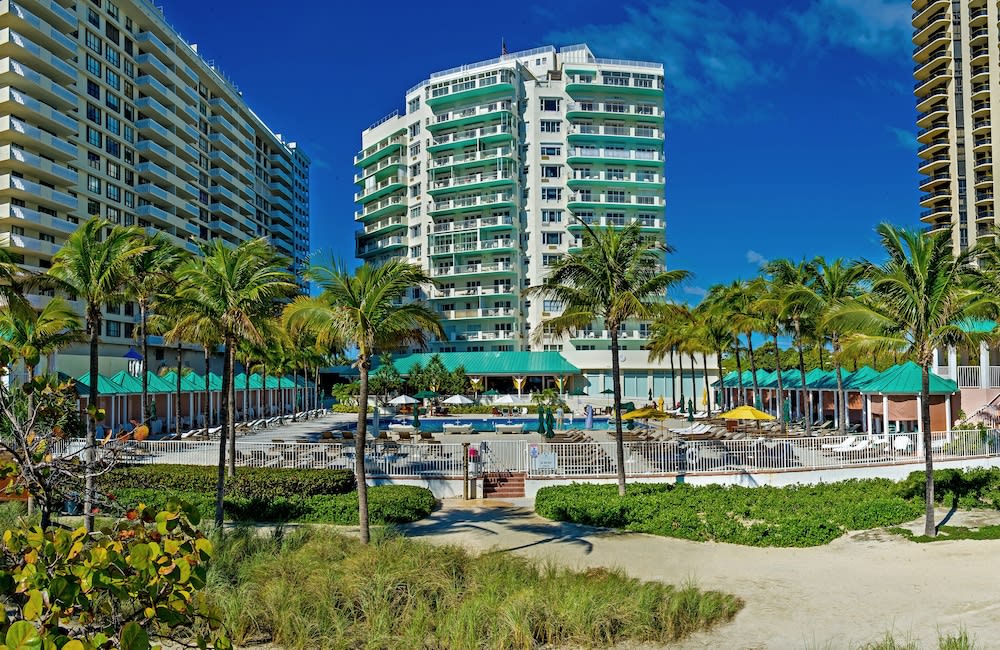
23 636
139 558
133 637
75 644
33 608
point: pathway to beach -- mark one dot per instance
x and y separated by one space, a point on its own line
842 595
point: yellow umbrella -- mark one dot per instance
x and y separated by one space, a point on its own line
745 413
645 414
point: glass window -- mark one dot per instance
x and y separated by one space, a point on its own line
551 193
551 150
551 239
113 102
114 79
93 89
551 171
93 113
550 126
114 124
113 147
549 104
94 136
114 193
93 65
94 41
94 184
551 216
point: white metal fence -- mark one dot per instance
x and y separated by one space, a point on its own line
540 459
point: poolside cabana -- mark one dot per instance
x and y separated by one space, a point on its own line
507 372
893 400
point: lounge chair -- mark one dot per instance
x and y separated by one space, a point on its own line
191 434
214 431
405 435
510 428
426 436
463 429
847 442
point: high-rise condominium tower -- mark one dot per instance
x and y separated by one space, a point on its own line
957 69
484 180
107 111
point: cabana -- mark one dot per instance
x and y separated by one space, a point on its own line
893 400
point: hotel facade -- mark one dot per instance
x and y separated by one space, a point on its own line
107 111
483 181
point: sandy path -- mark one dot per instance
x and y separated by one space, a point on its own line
841 595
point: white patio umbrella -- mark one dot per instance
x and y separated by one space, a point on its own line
403 399
458 399
504 399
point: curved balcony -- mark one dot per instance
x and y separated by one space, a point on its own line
933 162
376 152
982 141
983 179
933 131
982 162
603 132
614 110
379 209
937 143
385 225
381 246
980 108
488 268
472 181
597 155
473 203
486 245
980 91
486 223
479 137
472 292
471 159
587 200
465 91
939 94
928 41
941 178
979 54
933 197
935 112
472 115
978 36
980 74
932 57
938 211
645 223
978 16
937 77
478 314
382 188
385 167
929 12
981 126
986 213
984 196
622 86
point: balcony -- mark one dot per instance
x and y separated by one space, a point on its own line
645 223
224 210
150 128
624 335
381 208
41 30
500 84
150 86
498 335
473 115
220 158
16 74
14 130
930 41
219 140
473 269
472 292
936 212
220 123
932 114
150 168
381 245
608 200
934 196
150 211
459 204
471 181
22 160
471 159
938 95
583 178
937 160
36 219
150 149
617 110
933 130
473 224
934 57
23 49
481 136
393 223
934 180
391 162
223 193
382 188
489 312
939 76
149 106
282 189
150 191
599 132
20 188
472 247
601 155
28 245
652 88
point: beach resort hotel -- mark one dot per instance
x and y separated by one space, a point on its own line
482 179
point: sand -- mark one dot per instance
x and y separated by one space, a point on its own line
841 595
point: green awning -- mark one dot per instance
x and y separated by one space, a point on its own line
286 382
256 381
105 386
272 382
131 384
858 379
494 363
905 379
190 382
156 384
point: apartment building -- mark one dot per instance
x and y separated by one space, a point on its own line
485 177
956 70
106 110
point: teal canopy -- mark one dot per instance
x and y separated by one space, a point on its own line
905 379
190 382
858 379
105 386
493 363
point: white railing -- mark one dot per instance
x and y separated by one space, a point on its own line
470 179
470 134
471 201
486 154
471 291
595 459
473 224
968 377
471 268
490 312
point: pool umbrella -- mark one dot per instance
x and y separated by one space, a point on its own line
690 410
490 392
416 417
788 411
458 400
745 413
608 391
645 414
550 424
589 421
426 394
541 420
577 392
403 399
504 399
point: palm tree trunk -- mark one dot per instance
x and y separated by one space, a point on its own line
94 323
616 386
930 529
802 375
741 396
177 404
841 395
680 382
753 369
145 356
267 394
694 383
220 485
295 394
781 394
673 379
316 387
708 386
230 429
208 395
364 365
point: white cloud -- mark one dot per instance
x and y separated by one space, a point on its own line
701 292
905 138
755 258
873 27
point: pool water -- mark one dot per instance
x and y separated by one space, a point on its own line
487 424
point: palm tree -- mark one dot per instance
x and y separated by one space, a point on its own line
364 309
617 276
919 299
715 335
32 335
93 267
833 284
741 298
14 280
719 303
768 306
664 338
787 280
152 272
236 288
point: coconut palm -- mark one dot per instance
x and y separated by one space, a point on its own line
236 287
715 335
152 273
617 276
364 309
768 307
93 267
30 335
919 300
14 280
833 284
719 303
741 298
664 338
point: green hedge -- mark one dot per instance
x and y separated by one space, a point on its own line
250 483
390 504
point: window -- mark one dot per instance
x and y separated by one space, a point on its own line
414 170
94 136
415 149
413 105
616 196
128 46
113 56
415 190
46 237
129 177
129 112
551 239
114 125
112 32
551 216
93 41
129 156
93 208
551 171
552 347
550 126
129 90
113 102
113 147
93 66
129 69
414 129
114 170
115 217
113 78
93 113
129 134
114 193
112 9
93 89
549 260
551 193
94 184
549 104
93 160
415 251
551 150
129 200
114 328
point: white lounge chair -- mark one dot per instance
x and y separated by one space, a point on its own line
462 429
846 442
510 428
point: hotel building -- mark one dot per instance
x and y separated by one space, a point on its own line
483 182
106 110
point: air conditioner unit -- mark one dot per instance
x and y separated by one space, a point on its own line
545 157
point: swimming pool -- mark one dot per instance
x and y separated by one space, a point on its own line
488 423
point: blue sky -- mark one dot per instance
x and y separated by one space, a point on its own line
790 125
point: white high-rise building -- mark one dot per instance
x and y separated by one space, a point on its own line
482 181
105 110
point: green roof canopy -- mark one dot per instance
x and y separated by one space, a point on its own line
256 381
287 383
905 379
494 363
191 382
859 378
132 385
105 386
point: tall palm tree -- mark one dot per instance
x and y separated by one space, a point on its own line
152 273
664 338
919 299
616 277
768 306
833 284
14 280
787 278
741 298
93 267
30 336
715 335
236 287
364 309
719 303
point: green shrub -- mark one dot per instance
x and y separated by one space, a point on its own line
249 483
344 408
970 488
